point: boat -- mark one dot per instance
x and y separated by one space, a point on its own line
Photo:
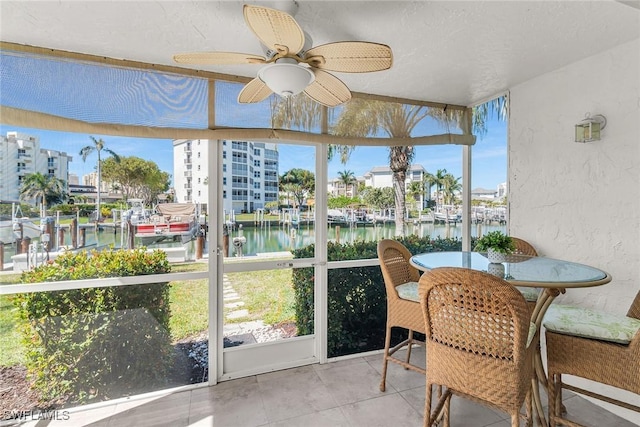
19 226
137 212
447 217
171 221
381 216
336 216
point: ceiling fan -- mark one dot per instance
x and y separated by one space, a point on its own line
290 69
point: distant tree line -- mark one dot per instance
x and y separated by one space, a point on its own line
132 176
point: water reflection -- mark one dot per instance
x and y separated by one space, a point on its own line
276 238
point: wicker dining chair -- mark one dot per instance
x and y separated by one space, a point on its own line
597 346
523 247
400 280
479 342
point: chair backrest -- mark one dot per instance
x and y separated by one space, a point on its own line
523 247
394 263
634 310
474 312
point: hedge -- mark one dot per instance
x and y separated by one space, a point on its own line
97 343
356 295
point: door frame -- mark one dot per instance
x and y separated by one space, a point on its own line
236 362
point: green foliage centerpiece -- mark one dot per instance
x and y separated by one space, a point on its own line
497 246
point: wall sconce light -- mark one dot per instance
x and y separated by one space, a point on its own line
589 129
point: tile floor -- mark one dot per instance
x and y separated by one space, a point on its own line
337 394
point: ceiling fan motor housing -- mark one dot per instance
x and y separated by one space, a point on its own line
286 77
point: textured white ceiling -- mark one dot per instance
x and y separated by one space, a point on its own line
458 52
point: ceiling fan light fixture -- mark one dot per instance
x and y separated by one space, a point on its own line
286 79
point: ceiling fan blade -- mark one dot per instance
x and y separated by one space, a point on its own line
218 58
327 89
274 28
351 57
254 91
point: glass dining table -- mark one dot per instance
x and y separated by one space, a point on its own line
553 276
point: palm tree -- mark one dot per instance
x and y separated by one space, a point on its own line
416 189
300 112
362 118
429 181
439 181
348 178
45 189
450 186
98 146
499 106
298 182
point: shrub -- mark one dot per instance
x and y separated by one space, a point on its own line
105 211
85 209
356 295
64 209
97 343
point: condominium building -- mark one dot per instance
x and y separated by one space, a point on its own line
21 155
337 187
483 194
74 179
502 190
382 176
249 173
91 179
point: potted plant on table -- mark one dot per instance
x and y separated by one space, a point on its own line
497 245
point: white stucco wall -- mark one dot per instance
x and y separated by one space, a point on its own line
581 202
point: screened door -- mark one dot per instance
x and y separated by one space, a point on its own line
265 256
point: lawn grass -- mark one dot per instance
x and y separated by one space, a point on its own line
189 307
9 279
251 217
268 296
11 350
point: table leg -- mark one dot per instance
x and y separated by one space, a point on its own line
545 299
540 419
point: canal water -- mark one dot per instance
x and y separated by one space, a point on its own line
278 238
274 237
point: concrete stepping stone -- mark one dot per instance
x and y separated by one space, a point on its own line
231 296
234 304
237 314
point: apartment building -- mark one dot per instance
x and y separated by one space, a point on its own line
490 195
74 179
502 191
21 155
249 173
337 187
382 176
91 179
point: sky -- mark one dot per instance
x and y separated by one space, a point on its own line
135 97
489 163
